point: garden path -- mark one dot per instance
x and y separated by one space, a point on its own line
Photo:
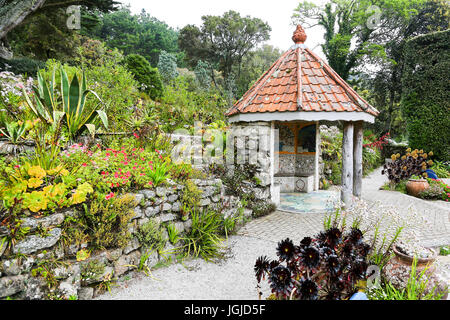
232 278
437 213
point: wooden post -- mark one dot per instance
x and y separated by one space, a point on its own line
357 158
316 159
347 164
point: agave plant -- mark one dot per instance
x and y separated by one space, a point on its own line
14 131
72 96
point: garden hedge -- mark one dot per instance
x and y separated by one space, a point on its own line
425 99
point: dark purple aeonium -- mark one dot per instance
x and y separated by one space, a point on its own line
327 266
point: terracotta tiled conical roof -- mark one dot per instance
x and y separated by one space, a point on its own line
299 70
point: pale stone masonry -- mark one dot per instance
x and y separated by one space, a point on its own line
162 204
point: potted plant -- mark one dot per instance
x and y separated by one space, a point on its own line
416 185
409 167
409 257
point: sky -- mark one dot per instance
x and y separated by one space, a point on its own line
179 13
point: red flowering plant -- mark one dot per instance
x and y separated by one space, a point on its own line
325 267
114 169
373 143
437 190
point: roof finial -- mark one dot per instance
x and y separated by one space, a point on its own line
299 35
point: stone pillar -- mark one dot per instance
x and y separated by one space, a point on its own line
357 158
347 164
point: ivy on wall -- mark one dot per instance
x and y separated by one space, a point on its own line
426 100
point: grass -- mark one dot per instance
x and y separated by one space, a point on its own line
203 240
400 187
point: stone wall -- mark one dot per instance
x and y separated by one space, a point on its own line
81 279
251 143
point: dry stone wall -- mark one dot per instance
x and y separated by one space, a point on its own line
82 279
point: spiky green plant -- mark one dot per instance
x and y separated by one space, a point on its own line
72 96
14 131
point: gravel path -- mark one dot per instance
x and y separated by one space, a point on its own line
232 277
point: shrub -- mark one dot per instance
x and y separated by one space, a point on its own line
425 100
190 199
107 221
148 77
24 66
437 190
441 169
181 105
434 191
262 208
151 235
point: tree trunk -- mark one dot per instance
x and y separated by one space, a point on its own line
12 15
347 164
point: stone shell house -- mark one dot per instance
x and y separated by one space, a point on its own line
281 114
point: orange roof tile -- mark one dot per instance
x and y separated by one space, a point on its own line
323 90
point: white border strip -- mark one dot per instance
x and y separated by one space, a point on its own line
305 116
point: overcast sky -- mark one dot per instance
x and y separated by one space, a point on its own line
178 13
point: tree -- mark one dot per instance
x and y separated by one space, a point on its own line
148 77
425 97
254 65
17 12
137 34
356 30
386 85
223 41
167 66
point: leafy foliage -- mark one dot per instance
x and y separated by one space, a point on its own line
148 77
223 40
425 100
203 240
73 95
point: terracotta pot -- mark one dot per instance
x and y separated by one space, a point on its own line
408 260
398 269
416 186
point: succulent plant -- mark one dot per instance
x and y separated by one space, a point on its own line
414 162
325 267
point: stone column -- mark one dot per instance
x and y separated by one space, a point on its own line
357 158
347 164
